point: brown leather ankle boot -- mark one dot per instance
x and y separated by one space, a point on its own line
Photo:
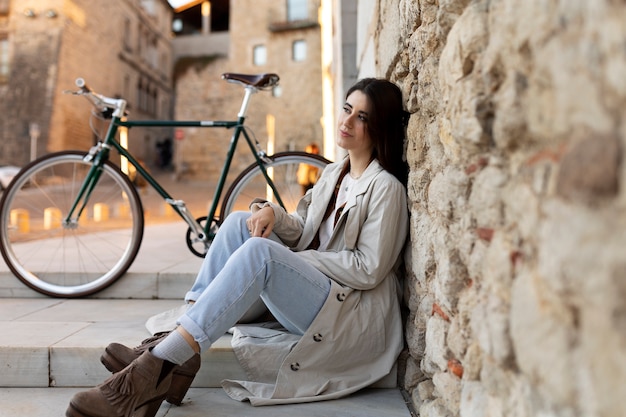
137 390
117 356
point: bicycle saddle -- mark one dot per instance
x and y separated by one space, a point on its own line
255 80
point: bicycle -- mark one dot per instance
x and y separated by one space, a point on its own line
72 222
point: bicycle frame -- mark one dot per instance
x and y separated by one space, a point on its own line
100 153
72 258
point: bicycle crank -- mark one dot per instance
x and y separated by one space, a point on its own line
199 242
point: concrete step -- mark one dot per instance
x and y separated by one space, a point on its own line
203 402
57 343
47 342
50 348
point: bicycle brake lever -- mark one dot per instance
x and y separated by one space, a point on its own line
263 157
92 152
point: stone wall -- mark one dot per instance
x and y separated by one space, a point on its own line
516 288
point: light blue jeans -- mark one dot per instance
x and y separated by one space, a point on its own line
237 270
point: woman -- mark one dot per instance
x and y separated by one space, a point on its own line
327 273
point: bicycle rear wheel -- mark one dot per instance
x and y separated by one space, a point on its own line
76 258
286 169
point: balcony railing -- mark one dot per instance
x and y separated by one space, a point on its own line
216 43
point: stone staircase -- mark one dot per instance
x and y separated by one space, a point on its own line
48 343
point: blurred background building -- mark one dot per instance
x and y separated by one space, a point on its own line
166 60
121 48
247 36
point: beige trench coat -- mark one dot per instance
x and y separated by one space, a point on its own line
357 336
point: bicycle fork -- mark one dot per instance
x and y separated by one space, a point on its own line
101 153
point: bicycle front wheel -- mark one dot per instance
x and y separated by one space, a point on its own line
291 172
73 258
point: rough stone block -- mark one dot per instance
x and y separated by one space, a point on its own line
448 388
435 408
436 353
542 340
474 400
589 170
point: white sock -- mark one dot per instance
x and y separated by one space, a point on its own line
174 348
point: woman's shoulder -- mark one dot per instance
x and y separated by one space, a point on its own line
375 175
385 178
335 166
331 170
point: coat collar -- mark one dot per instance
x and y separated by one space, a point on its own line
323 191
361 185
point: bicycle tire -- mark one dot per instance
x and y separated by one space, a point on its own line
85 257
283 167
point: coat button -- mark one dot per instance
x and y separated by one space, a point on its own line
295 366
341 296
317 337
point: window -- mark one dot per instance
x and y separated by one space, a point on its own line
153 97
297 10
141 96
259 55
127 35
126 87
165 109
163 65
4 60
140 42
152 53
298 50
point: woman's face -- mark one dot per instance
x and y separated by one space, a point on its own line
352 132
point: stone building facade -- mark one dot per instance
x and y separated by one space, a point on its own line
263 37
120 47
516 281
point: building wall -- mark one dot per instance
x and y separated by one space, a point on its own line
516 273
34 45
114 45
296 106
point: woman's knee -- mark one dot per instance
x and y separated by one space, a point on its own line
236 218
260 251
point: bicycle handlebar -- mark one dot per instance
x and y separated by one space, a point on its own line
80 83
102 103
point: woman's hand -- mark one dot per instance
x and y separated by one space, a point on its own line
261 223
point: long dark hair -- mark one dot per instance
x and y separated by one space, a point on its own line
386 123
